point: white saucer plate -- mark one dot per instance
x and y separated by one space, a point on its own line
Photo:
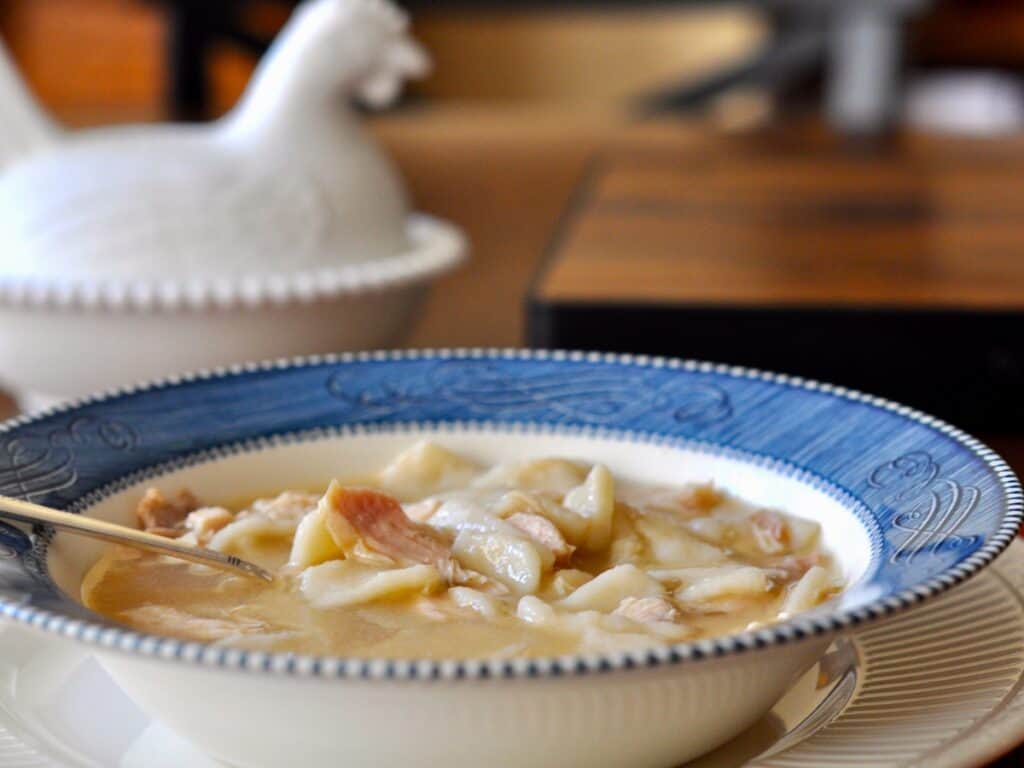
913 691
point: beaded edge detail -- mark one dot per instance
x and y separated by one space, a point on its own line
436 247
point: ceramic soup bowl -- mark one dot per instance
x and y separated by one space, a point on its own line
909 507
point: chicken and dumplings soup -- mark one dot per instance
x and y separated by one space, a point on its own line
436 556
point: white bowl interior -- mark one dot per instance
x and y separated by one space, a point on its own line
311 464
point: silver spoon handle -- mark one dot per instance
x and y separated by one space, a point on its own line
27 512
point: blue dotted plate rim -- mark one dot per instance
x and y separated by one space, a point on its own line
783 633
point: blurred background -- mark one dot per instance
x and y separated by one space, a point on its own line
97 61
826 187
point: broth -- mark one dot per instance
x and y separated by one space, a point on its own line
437 557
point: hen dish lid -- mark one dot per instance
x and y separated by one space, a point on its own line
284 198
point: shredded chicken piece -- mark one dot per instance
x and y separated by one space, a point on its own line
701 499
770 531
723 606
792 567
162 516
431 609
290 505
360 515
206 521
467 577
645 609
544 532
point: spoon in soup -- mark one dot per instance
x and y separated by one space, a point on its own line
27 512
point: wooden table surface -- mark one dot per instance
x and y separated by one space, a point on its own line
923 222
506 176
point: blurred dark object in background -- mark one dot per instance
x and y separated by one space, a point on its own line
194 28
101 60
980 33
857 45
852 50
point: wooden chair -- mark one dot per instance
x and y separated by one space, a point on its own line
194 26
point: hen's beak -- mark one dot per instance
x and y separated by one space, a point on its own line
409 59
404 60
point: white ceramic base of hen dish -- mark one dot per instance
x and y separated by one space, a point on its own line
57 349
916 691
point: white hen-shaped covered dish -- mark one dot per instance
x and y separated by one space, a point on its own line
286 182
283 201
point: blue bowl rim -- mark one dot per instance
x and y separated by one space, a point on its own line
793 630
